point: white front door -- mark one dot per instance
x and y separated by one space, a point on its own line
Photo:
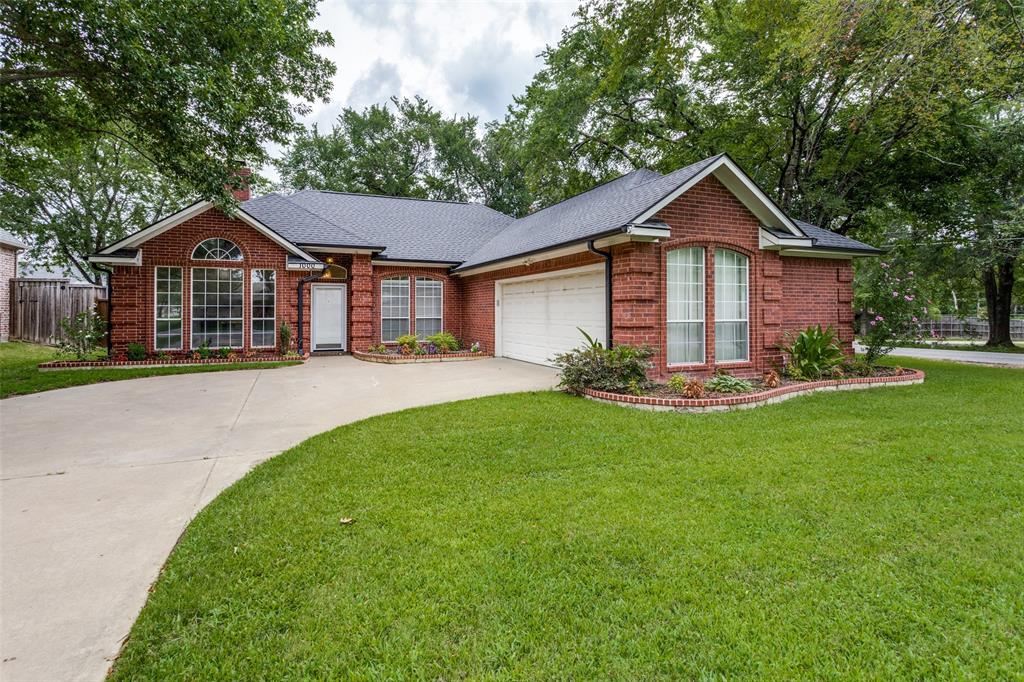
541 317
329 317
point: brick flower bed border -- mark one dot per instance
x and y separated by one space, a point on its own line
388 359
748 400
173 362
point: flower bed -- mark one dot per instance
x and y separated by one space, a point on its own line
173 361
660 398
397 358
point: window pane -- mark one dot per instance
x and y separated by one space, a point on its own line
264 284
217 313
218 249
685 305
429 307
394 308
731 306
167 309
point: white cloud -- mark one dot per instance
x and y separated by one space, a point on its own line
462 56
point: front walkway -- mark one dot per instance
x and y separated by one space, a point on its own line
99 482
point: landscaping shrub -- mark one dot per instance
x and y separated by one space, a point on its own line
444 341
676 383
620 368
81 334
770 379
204 350
726 383
475 348
224 352
407 344
136 351
379 348
894 309
694 388
813 353
284 335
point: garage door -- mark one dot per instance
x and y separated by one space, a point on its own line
539 317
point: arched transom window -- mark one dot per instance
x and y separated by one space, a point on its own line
217 249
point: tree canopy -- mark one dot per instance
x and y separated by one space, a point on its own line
407 148
195 87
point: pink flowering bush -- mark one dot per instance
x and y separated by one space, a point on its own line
894 307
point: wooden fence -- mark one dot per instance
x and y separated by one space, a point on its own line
38 306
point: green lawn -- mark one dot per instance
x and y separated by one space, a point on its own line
864 534
20 375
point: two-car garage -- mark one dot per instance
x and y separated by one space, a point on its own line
540 316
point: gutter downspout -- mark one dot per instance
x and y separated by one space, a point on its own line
110 308
607 255
301 288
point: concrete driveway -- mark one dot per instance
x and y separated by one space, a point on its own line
99 481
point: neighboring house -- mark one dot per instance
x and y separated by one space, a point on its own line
699 263
9 247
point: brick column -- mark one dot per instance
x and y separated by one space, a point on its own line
771 307
361 281
636 312
844 301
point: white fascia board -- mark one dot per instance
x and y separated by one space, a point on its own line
103 259
822 253
339 249
413 264
646 233
530 259
173 220
742 187
771 241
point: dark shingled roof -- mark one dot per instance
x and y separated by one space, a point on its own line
473 234
408 229
827 239
604 209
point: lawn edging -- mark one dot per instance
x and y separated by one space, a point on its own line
748 400
388 359
54 365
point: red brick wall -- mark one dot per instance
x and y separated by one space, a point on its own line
133 291
8 271
819 291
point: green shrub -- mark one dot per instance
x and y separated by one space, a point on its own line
407 343
445 342
676 383
380 348
224 352
284 335
813 353
136 351
620 368
81 334
726 383
204 350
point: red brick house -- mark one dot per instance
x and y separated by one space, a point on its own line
699 263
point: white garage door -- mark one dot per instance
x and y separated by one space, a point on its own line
539 317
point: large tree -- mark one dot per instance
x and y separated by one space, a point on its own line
407 148
195 87
819 99
69 205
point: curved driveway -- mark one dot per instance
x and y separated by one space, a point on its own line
99 481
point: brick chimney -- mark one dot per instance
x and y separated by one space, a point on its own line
242 192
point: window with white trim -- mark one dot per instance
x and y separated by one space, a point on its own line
394 308
429 307
217 249
731 306
218 301
264 295
168 309
685 301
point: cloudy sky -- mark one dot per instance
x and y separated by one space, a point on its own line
463 56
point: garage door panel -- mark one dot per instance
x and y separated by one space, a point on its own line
540 317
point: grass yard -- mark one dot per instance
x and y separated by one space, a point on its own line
864 534
19 374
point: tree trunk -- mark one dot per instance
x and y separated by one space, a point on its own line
998 280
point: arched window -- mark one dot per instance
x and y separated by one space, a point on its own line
685 300
429 307
394 308
217 249
731 306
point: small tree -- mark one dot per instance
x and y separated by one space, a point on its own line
285 335
81 334
894 309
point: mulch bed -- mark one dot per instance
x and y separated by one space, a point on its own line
663 391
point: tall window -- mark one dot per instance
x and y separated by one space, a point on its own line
429 306
217 304
685 306
264 293
168 309
731 306
394 308
217 249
